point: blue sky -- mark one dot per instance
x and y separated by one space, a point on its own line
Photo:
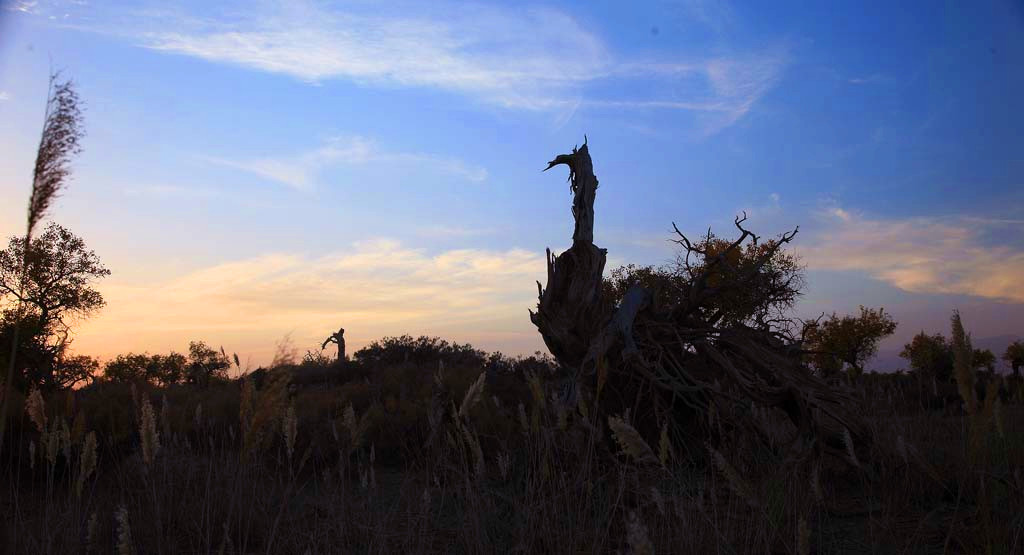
265 168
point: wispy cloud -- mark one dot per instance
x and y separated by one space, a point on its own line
171 191
377 288
920 255
300 171
24 6
517 58
4 95
865 80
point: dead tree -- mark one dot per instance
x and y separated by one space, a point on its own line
337 337
679 357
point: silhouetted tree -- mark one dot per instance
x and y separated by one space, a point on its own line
420 351
156 369
756 284
337 338
1015 356
851 340
43 290
72 370
205 363
930 355
984 358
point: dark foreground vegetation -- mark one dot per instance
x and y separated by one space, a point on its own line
683 410
435 454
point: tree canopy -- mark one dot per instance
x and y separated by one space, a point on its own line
755 284
930 355
1015 356
851 340
44 288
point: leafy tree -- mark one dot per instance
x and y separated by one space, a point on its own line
1015 356
72 370
43 290
984 358
755 284
420 351
851 340
930 355
156 369
205 363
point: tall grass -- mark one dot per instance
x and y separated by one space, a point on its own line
262 470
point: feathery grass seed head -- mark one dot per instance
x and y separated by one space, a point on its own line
148 433
630 441
36 409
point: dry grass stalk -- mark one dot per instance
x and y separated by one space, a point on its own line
124 532
52 442
962 367
474 446
663 445
245 404
997 415
148 433
848 442
522 420
636 536
290 429
630 441
36 409
819 495
87 463
803 537
65 439
659 501
537 390
78 428
356 427
31 454
266 408
473 395
504 460
165 417
732 477
285 354
91 530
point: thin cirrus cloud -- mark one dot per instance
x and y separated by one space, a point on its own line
922 255
379 287
527 59
300 171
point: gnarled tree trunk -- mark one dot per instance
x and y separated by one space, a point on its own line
571 311
671 354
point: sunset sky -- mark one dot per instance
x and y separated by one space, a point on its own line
262 168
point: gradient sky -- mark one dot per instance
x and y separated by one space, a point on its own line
259 169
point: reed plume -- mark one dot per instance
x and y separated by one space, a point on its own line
636 536
630 441
87 464
124 532
473 395
36 409
962 354
732 477
62 132
148 432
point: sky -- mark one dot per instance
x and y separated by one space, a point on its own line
259 170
